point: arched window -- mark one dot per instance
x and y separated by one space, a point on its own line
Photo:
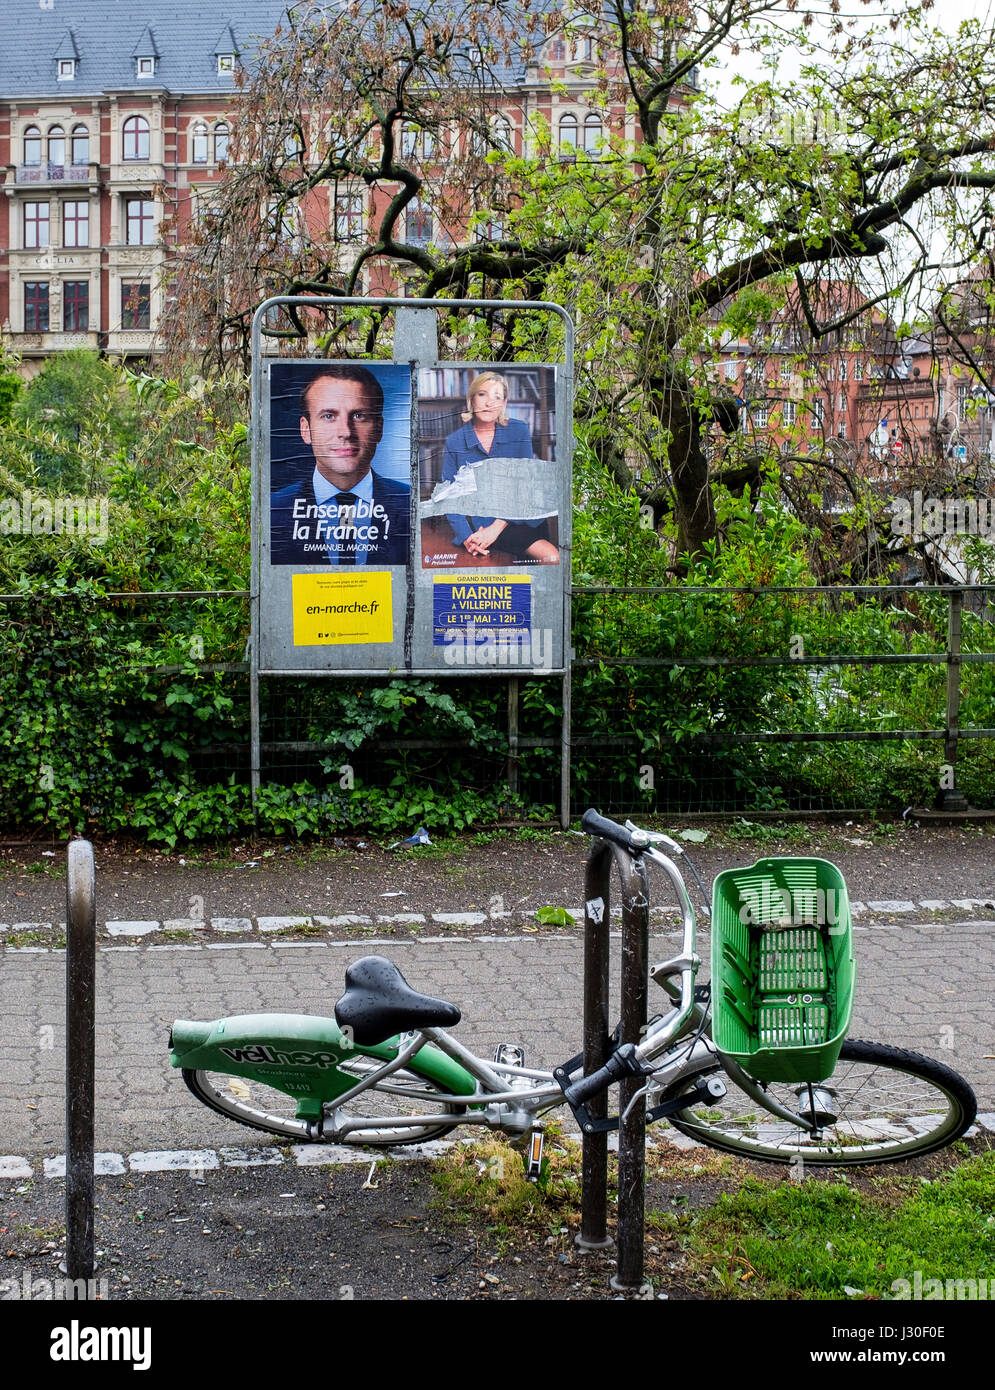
198 143
56 145
80 145
136 138
592 133
418 223
568 134
220 142
501 132
32 145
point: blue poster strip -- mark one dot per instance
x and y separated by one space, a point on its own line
493 607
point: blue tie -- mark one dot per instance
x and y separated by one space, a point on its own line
346 557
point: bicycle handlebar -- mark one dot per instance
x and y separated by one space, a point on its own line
623 1062
595 824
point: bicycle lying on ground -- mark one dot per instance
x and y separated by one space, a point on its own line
763 1069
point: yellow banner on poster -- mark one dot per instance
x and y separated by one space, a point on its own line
342 608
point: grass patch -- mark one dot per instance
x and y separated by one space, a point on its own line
54 869
485 1184
534 835
30 938
827 1240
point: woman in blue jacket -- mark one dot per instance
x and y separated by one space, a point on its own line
487 432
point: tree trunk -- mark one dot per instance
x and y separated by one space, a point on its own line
693 507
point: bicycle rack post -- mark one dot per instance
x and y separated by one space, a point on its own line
632 1137
632 1130
597 953
81 917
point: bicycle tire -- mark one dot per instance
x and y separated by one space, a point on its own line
258 1106
892 1105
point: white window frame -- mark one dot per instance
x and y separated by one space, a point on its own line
144 67
224 129
226 64
346 212
199 131
66 70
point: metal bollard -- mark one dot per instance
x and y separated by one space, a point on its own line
597 952
81 920
632 1129
632 1134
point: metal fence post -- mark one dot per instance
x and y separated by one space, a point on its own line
81 919
951 798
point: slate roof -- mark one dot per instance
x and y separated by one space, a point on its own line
107 35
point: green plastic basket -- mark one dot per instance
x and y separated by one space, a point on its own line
783 971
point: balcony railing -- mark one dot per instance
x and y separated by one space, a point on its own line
47 172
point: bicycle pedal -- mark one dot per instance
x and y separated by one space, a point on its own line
533 1162
510 1054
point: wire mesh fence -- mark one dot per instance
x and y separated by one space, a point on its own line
117 709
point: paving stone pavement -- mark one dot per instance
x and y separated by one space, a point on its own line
928 987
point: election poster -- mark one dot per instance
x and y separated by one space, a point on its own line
340 463
489 487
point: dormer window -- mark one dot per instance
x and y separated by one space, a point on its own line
145 54
226 64
66 57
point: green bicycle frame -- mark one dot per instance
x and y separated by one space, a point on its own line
299 1054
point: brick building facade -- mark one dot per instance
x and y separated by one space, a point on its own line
115 125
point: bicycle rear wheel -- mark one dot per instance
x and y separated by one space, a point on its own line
404 1092
880 1105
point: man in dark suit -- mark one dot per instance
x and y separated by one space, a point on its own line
344 513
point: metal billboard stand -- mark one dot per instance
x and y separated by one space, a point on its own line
415 344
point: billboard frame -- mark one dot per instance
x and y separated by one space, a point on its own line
415 345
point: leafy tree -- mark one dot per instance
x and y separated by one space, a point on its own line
80 400
860 185
11 387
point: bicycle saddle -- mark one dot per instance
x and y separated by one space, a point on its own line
378 1002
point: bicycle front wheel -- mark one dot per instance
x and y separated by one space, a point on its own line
880 1105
